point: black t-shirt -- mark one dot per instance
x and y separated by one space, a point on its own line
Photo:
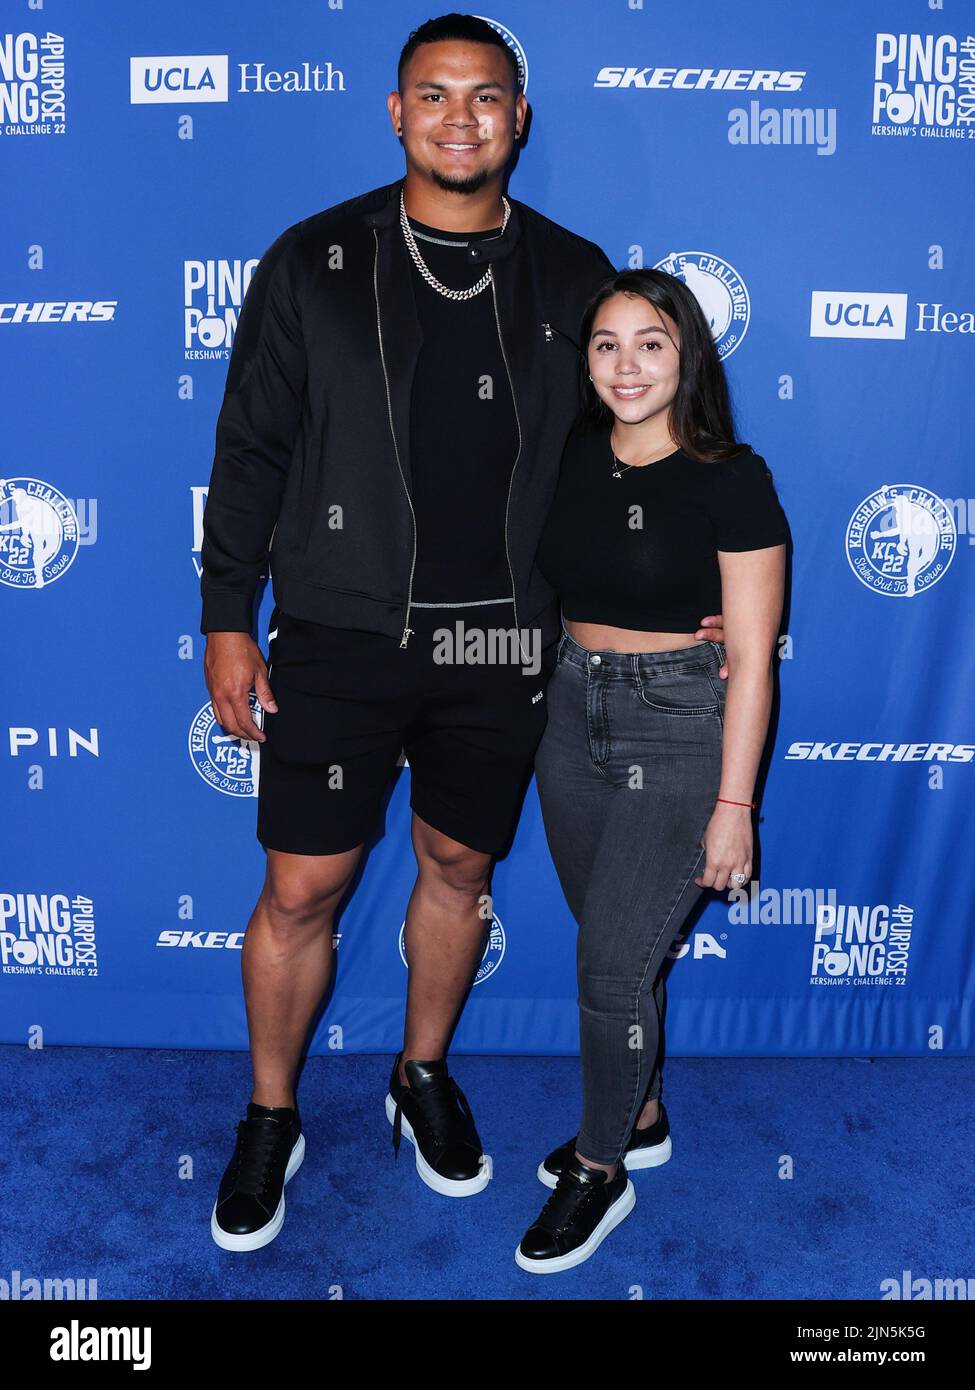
641 551
463 431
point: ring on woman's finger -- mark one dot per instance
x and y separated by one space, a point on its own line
739 878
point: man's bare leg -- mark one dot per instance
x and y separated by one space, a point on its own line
444 938
287 962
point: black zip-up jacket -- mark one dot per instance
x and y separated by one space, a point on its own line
312 468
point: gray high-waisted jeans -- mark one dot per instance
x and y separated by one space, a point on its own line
627 773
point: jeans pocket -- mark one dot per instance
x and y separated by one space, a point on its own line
684 692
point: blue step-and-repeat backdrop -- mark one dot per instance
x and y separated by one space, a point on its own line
808 168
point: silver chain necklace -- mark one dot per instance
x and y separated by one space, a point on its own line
425 270
619 467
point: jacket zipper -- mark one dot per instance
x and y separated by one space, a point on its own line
514 402
550 336
407 630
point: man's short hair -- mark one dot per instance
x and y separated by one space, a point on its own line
465 27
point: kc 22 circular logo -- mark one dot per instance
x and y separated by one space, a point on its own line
900 540
226 762
38 533
514 44
720 291
493 951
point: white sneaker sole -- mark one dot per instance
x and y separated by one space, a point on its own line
618 1212
255 1239
651 1157
464 1187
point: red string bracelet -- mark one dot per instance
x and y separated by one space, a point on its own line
751 804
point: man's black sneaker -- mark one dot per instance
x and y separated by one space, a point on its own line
648 1148
433 1113
576 1219
249 1210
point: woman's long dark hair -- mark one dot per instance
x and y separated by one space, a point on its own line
701 415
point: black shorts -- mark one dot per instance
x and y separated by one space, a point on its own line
350 702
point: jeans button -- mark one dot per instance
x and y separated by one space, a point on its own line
595 659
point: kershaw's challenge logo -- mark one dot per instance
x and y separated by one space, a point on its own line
39 533
517 48
226 762
720 291
900 540
493 951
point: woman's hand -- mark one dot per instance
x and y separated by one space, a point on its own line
728 845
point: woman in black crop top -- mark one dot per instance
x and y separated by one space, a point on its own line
646 770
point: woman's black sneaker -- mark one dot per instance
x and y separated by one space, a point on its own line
576 1219
433 1113
249 1210
648 1148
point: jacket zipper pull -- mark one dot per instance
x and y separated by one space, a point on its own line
406 636
549 336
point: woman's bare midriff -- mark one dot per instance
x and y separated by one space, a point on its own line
598 637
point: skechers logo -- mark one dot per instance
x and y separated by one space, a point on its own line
59 311
701 79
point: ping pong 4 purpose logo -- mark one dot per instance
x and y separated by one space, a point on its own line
924 84
862 945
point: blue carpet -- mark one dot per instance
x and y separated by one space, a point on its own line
881 1154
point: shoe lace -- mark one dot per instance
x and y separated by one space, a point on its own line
444 1112
257 1144
569 1198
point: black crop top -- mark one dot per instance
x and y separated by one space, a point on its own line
640 551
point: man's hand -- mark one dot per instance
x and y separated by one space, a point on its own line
232 665
712 630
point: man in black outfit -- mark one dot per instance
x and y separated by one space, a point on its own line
402 380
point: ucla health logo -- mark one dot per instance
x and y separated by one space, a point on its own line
513 44
493 951
225 761
38 533
857 314
900 540
178 78
719 290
